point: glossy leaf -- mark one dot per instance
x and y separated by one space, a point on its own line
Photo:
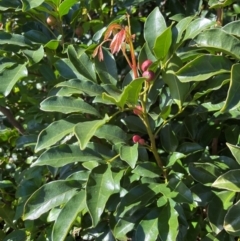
147 169
129 94
100 186
168 223
107 69
235 150
67 105
84 131
64 154
147 230
14 39
168 139
218 40
154 26
229 181
205 173
204 67
30 4
68 215
65 6
88 87
111 133
196 27
232 220
53 133
232 28
129 154
82 63
178 90
48 196
10 76
135 199
232 101
163 43
217 209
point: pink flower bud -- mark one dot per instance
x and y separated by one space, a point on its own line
136 138
145 65
149 75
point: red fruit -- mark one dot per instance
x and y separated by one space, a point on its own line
141 141
137 110
149 75
136 138
145 65
51 21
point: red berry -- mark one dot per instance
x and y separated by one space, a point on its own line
149 75
137 110
136 138
141 141
145 65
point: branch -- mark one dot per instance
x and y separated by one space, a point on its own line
12 119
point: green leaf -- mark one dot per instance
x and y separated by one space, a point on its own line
178 90
232 28
112 133
220 4
232 220
107 69
30 4
147 169
205 173
204 67
84 131
218 40
154 26
67 216
82 63
88 87
67 70
6 4
229 181
168 139
64 154
168 223
196 27
65 6
129 154
135 199
173 157
163 43
232 100
235 150
14 39
48 196
181 26
53 133
10 76
129 94
67 105
202 195
183 193
34 56
99 187
217 209
147 229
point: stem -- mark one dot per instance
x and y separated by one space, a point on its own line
132 52
145 120
113 158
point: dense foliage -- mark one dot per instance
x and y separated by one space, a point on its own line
120 120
